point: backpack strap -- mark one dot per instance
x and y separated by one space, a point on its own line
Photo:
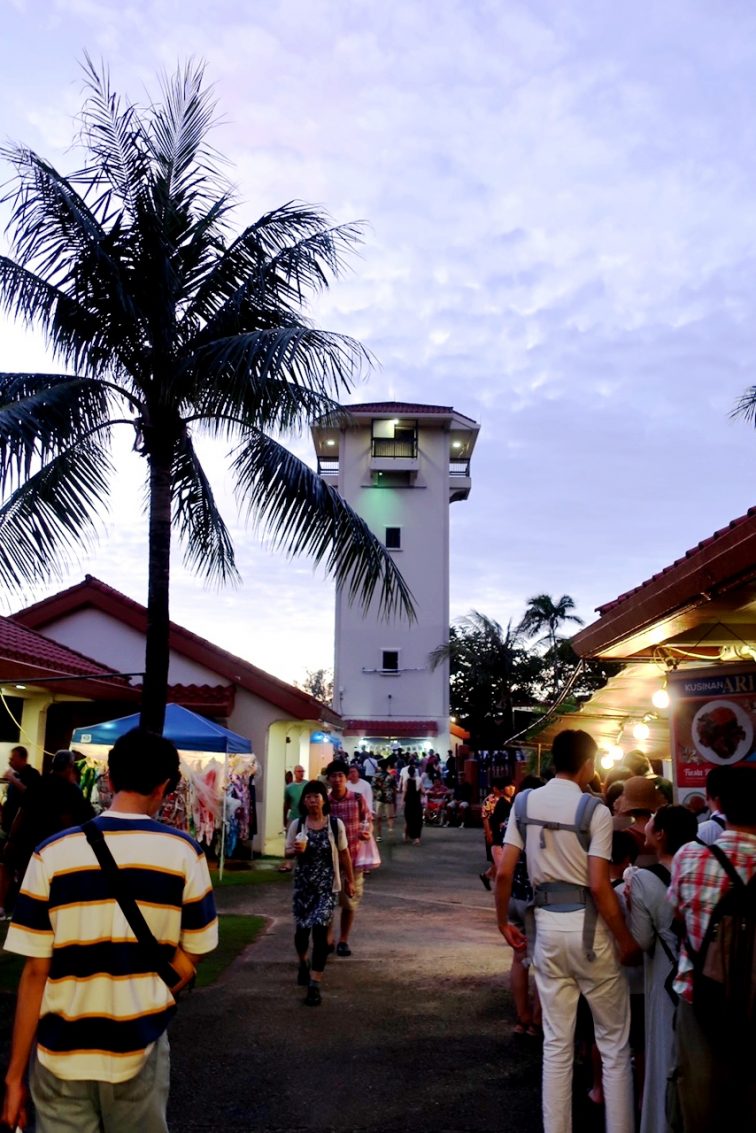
719 821
660 871
726 865
335 829
583 817
521 814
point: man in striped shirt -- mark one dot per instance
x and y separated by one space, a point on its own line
92 1013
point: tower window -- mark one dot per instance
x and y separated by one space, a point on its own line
390 660
393 538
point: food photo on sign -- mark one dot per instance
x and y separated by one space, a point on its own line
713 723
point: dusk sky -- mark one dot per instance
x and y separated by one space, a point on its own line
561 243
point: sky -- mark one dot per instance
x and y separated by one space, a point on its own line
560 243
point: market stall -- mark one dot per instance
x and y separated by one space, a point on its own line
215 800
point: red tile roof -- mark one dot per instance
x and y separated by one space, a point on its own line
727 558
32 656
98 595
217 700
705 546
393 727
397 407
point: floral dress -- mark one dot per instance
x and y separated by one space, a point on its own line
314 899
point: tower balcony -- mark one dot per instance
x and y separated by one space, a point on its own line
328 470
394 454
459 478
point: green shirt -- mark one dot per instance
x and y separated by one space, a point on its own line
292 795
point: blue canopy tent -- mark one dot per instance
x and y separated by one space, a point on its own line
187 730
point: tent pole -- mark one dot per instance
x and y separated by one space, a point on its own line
223 820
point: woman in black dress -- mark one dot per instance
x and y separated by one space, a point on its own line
319 845
413 808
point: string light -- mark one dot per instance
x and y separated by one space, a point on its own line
660 699
641 731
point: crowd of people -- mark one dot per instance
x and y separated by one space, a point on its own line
596 878
635 916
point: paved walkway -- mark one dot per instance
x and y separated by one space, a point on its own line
415 1029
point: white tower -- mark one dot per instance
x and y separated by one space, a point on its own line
399 466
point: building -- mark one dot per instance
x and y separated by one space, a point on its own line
46 689
399 466
285 725
687 638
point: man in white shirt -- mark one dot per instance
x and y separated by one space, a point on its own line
569 849
360 787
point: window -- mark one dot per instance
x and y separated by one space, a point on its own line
393 538
390 661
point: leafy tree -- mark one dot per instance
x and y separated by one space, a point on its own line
167 324
319 683
490 674
542 613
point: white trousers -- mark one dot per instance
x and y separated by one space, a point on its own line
562 972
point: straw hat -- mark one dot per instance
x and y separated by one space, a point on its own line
638 793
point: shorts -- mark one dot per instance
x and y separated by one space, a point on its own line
351 903
385 810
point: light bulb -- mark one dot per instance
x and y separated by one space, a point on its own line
641 731
660 699
616 753
607 761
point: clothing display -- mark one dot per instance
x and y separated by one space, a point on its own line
215 791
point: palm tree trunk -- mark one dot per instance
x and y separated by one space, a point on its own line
157 646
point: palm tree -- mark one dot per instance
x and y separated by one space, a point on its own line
490 674
168 325
543 613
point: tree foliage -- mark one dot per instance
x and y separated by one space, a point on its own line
319 683
168 323
493 672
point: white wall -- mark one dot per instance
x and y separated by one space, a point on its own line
109 641
422 513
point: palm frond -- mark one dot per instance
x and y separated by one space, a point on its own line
303 515
177 131
273 262
113 134
745 406
208 547
42 415
51 513
275 378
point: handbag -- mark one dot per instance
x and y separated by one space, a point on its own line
179 972
368 855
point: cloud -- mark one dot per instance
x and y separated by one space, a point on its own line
561 243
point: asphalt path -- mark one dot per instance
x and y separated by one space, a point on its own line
414 1031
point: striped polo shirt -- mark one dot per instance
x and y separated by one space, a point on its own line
102 1007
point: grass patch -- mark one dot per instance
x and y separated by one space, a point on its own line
234 877
234 934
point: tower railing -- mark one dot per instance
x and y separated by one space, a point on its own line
458 467
389 447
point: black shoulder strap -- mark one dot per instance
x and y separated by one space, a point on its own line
719 820
726 865
129 907
335 829
660 871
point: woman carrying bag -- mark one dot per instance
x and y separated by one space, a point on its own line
319 845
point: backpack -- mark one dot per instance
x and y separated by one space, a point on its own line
581 825
724 967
